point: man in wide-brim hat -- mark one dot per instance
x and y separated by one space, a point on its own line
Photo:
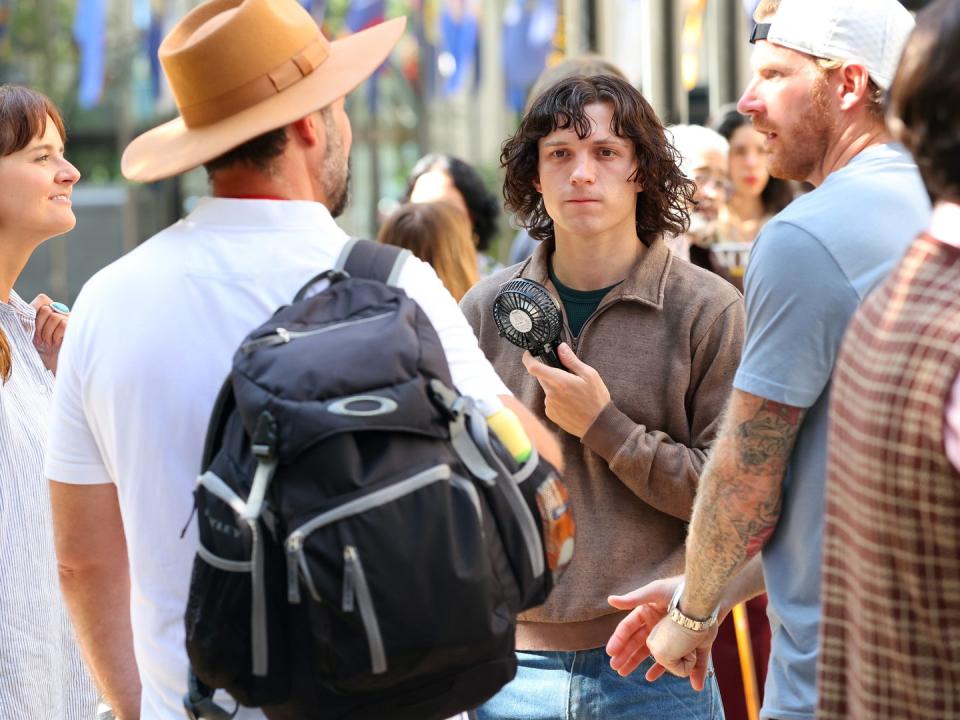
260 94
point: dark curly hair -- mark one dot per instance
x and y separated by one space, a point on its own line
482 205
925 98
667 193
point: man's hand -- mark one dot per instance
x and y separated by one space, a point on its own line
681 651
50 328
574 399
627 646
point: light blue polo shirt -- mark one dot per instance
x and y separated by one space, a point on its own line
810 268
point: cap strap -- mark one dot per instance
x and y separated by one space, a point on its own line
760 32
256 91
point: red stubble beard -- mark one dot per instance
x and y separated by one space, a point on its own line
798 149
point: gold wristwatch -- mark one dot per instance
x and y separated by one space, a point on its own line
673 612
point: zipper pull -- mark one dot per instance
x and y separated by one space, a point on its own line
349 577
294 545
283 334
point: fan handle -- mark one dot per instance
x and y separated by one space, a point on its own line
549 355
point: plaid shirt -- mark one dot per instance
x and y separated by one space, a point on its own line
890 635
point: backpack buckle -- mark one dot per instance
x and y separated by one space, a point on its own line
198 702
264 442
445 399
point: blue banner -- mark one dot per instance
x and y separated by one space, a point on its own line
89 31
529 27
364 13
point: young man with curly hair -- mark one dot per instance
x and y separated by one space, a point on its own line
651 344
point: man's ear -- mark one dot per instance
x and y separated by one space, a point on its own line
855 85
307 130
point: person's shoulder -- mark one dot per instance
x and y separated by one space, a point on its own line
697 284
486 289
133 281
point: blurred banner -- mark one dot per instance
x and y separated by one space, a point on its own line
529 29
89 32
458 62
5 13
691 40
362 14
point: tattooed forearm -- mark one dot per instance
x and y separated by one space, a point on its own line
768 435
739 501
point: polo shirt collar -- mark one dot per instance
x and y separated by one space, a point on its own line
645 283
275 214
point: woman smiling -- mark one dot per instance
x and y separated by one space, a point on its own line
41 673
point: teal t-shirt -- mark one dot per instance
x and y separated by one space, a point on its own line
579 304
810 268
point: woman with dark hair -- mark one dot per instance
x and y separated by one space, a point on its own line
450 179
756 196
41 672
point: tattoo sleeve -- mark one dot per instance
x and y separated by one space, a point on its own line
740 496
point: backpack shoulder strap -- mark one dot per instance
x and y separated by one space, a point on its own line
364 259
222 407
373 261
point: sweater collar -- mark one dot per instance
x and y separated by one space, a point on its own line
645 283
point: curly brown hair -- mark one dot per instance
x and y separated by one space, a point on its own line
667 193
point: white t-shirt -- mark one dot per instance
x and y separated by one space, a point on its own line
150 342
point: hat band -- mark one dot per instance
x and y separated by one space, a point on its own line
256 91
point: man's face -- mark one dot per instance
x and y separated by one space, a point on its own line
585 183
713 183
335 169
788 102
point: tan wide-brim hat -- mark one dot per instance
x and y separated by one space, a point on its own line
240 68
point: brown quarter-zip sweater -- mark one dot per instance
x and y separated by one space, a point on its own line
666 342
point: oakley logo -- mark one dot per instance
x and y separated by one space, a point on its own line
362 406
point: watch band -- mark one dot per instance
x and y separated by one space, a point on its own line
674 613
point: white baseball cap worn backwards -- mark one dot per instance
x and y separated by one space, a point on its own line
868 32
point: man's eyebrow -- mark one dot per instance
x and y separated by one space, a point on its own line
609 140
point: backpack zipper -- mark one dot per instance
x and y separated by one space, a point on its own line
353 573
294 543
282 336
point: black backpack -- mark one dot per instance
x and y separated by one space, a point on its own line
365 542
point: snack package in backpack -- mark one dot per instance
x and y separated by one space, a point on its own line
366 541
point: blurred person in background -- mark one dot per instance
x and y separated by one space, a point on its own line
820 70
890 636
586 65
450 179
703 159
42 674
756 196
438 233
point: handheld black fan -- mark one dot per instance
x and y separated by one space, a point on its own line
527 316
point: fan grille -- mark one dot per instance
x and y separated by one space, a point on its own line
527 315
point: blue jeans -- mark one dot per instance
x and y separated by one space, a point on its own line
582 686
